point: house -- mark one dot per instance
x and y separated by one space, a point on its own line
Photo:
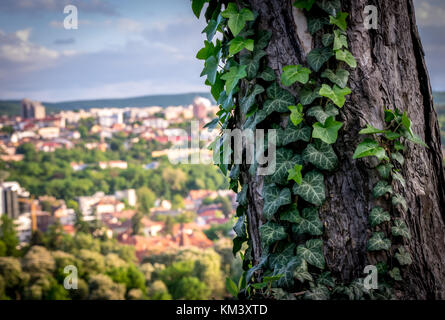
113 164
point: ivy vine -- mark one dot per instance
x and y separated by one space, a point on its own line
235 64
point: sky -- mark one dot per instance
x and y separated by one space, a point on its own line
129 48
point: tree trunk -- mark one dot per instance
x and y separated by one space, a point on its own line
391 72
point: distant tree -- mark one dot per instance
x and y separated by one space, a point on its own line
174 178
168 225
136 223
191 288
178 202
146 199
158 291
9 236
101 287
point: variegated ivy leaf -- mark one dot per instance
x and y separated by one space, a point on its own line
346 56
292 134
395 274
262 39
403 257
254 120
368 148
267 74
330 6
340 78
322 114
252 62
398 157
400 229
398 177
310 223
312 252
282 258
319 292
381 188
315 24
318 57
285 160
260 265
271 232
378 242
377 216
327 39
291 214
397 199
274 198
294 73
321 155
240 227
325 279
279 99
327 132
307 95
385 170
301 273
312 188
241 197
336 94
247 101
287 272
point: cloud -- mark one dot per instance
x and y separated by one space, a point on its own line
89 6
16 49
430 12
64 41
130 25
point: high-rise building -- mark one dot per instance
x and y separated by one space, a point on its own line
200 107
32 109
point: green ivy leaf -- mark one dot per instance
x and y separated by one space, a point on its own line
262 39
397 199
241 197
378 215
312 252
312 188
340 78
318 57
398 157
293 133
330 6
371 130
336 94
285 160
340 40
315 24
208 51
321 155
233 76
339 20
406 122
291 214
346 56
296 114
309 223
274 198
398 177
403 256
271 232
197 6
327 39
307 96
368 148
237 44
415 139
295 174
212 27
398 146
378 242
210 69
248 101
252 62
400 229
385 170
237 19
381 188
391 135
279 99
327 132
292 74
267 75
304 4
395 274
322 114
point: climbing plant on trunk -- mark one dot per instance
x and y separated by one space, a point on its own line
311 71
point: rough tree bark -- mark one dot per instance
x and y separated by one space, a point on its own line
391 72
